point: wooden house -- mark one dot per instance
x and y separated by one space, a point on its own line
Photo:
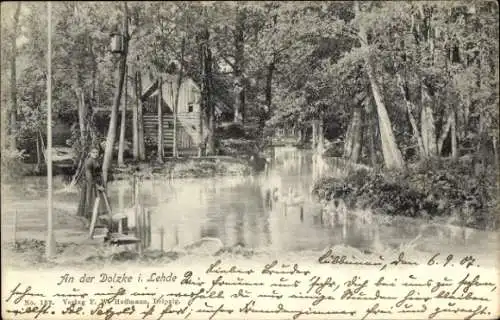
189 132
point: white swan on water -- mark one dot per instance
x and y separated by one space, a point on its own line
293 198
334 210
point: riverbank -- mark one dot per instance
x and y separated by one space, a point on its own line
83 253
456 192
204 167
189 167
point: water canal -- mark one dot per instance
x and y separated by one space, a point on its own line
273 211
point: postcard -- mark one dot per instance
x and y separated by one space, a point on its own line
250 160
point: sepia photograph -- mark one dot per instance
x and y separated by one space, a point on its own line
250 160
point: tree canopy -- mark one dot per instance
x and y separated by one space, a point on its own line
426 72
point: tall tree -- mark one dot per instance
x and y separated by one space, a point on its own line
110 140
138 119
123 121
13 76
207 92
180 79
239 58
390 150
135 118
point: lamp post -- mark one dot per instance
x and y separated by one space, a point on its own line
116 43
51 243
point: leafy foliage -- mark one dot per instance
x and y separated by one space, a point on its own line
431 189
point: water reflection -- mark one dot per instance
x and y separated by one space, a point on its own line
273 211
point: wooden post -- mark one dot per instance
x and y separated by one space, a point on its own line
93 219
144 228
176 235
176 102
51 242
162 236
148 216
160 121
200 130
15 229
136 211
139 228
141 219
38 154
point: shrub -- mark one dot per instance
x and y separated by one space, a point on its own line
231 131
430 189
12 161
238 147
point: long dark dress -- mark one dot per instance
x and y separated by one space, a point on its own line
89 188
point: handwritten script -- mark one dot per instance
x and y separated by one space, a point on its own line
333 287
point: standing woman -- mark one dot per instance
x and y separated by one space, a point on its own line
91 185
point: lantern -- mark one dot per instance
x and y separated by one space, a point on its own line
116 43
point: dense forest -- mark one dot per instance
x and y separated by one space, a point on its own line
394 83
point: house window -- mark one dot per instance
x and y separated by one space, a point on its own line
190 107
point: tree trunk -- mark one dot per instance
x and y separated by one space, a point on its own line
110 140
427 125
13 78
371 136
314 134
39 160
121 145
239 105
200 131
352 146
269 86
370 131
83 126
444 133
140 123
357 137
203 104
321 135
347 141
495 152
268 97
177 92
409 109
94 80
135 119
82 114
160 121
390 150
209 95
454 153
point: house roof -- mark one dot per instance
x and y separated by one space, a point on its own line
150 86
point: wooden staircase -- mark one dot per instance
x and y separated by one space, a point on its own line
186 142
